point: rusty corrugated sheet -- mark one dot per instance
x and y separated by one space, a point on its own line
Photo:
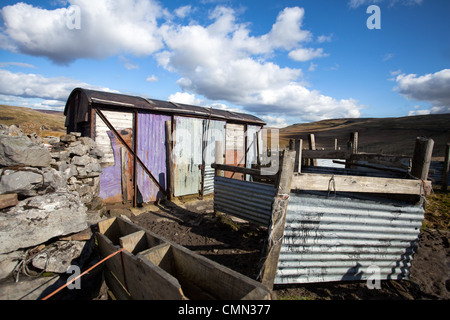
338 239
187 155
251 201
152 152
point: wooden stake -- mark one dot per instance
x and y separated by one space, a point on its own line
422 158
169 159
298 155
276 228
312 146
446 168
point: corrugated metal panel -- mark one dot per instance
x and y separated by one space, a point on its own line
152 151
120 120
252 147
436 172
250 201
187 151
212 131
234 148
110 179
335 239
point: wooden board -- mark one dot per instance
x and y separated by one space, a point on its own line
322 182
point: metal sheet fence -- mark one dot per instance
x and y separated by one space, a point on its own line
250 201
335 239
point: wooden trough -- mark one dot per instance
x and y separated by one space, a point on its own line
154 268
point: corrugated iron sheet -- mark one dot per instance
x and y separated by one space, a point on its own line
250 201
234 148
152 151
187 152
335 239
212 131
110 179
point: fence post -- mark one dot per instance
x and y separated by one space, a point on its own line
422 158
298 155
312 146
277 223
446 168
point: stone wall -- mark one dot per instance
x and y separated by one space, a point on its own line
56 182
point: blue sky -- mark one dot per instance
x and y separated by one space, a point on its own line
284 61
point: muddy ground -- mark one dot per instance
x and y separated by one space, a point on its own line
237 245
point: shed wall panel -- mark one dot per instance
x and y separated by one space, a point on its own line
187 155
336 239
234 148
110 179
212 131
152 152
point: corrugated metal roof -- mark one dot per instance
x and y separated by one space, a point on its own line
115 100
335 239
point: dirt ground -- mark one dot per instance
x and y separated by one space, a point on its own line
237 245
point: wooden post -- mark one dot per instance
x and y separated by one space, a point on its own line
446 168
169 157
123 174
298 155
422 158
312 146
335 144
352 148
276 228
219 156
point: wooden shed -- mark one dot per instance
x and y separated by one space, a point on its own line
155 149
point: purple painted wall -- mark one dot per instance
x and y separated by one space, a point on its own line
152 152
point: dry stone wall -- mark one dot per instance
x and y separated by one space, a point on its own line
56 182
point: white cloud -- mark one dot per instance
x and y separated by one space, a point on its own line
183 12
16 64
37 86
106 28
306 54
432 88
221 61
324 38
275 122
151 78
186 98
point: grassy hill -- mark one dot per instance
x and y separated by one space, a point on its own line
376 135
29 120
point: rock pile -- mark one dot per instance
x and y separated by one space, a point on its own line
48 190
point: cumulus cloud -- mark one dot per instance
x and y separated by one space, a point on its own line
432 88
37 86
221 61
306 54
105 28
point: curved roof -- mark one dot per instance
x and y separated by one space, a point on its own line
121 101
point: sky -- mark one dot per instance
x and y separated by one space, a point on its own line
284 61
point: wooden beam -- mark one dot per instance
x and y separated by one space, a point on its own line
325 154
8 200
226 167
320 182
422 158
277 224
